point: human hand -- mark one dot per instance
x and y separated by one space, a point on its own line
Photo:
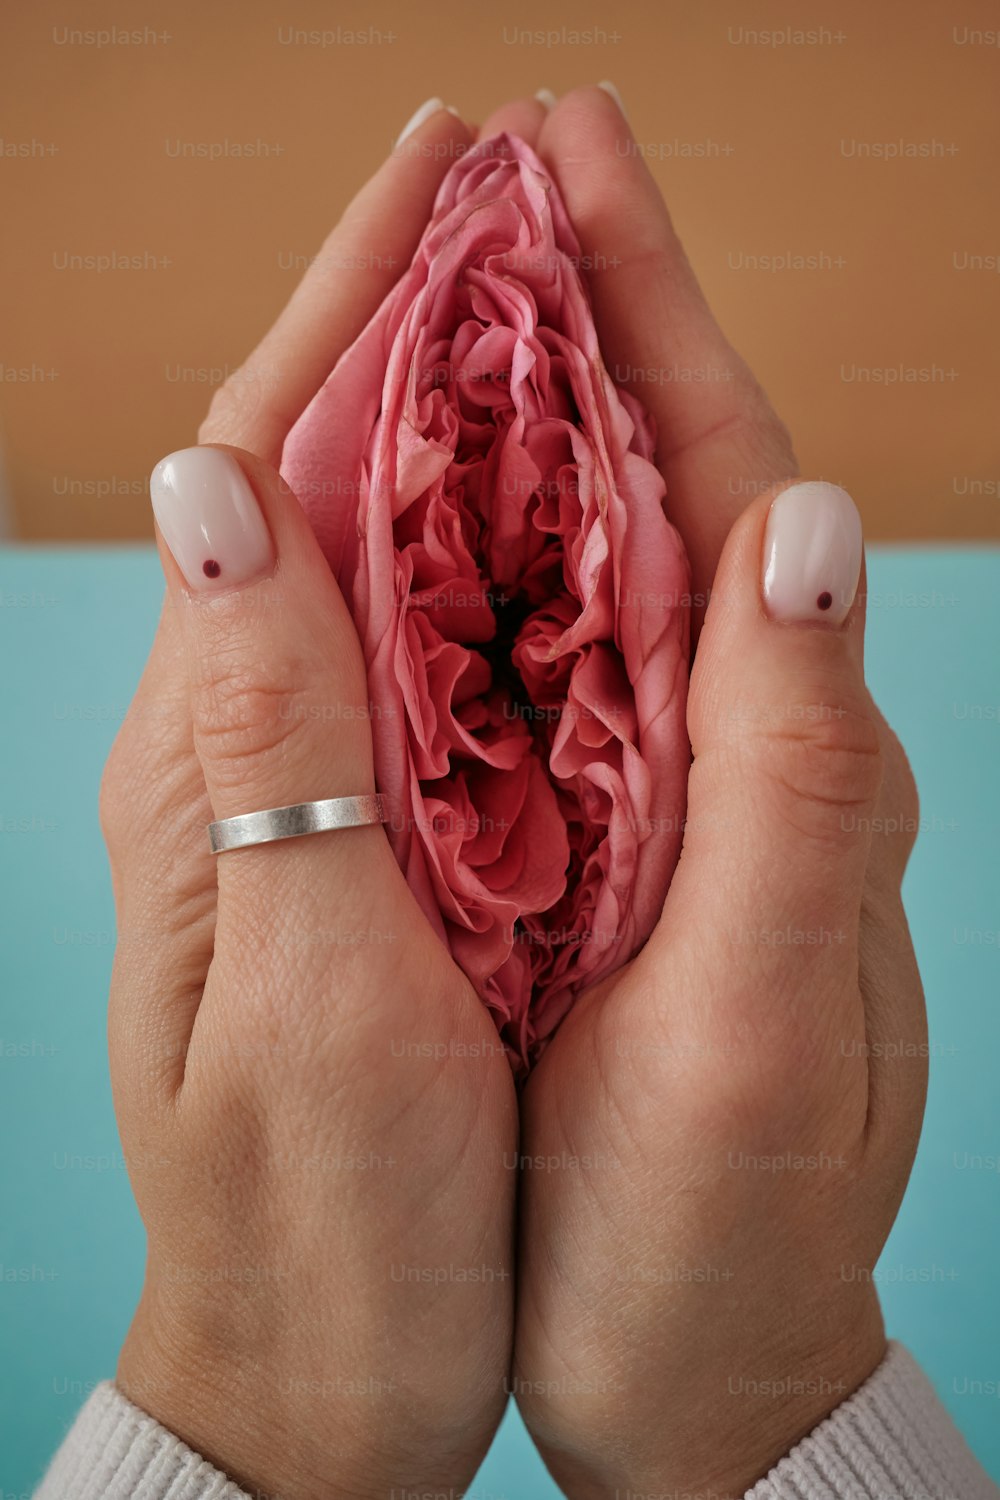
717 1140
314 1106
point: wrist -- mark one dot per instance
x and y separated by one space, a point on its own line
715 1432
778 1407
218 1407
288 1424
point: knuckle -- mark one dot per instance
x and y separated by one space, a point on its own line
826 770
762 440
221 413
244 716
233 405
746 415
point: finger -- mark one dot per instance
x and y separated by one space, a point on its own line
154 807
787 768
150 756
897 815
719 441
278 693
358 265
523 117
895 1051
154 801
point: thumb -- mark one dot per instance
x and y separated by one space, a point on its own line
787 761
278 694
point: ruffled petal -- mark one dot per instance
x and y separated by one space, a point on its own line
488 502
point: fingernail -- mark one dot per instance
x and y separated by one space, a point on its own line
209 517
812 554
546 97
416 120
613 93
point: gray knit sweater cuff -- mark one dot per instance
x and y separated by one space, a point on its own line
891 1440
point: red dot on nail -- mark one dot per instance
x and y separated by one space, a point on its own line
211 569
823 602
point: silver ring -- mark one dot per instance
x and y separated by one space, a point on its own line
292 822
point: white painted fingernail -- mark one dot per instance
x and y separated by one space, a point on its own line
209 517
613 93
812 554
547 97
416 120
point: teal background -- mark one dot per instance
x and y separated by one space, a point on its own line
75 626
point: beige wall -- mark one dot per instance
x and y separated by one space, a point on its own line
774 126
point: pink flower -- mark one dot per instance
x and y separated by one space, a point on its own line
487 500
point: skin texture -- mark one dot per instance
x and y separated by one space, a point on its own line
665 1282
315 1108
688 1309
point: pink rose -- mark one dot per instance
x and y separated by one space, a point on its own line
488 502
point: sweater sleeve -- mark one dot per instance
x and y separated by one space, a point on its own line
114 1451
891 1440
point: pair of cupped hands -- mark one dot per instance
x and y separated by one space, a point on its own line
361 1239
